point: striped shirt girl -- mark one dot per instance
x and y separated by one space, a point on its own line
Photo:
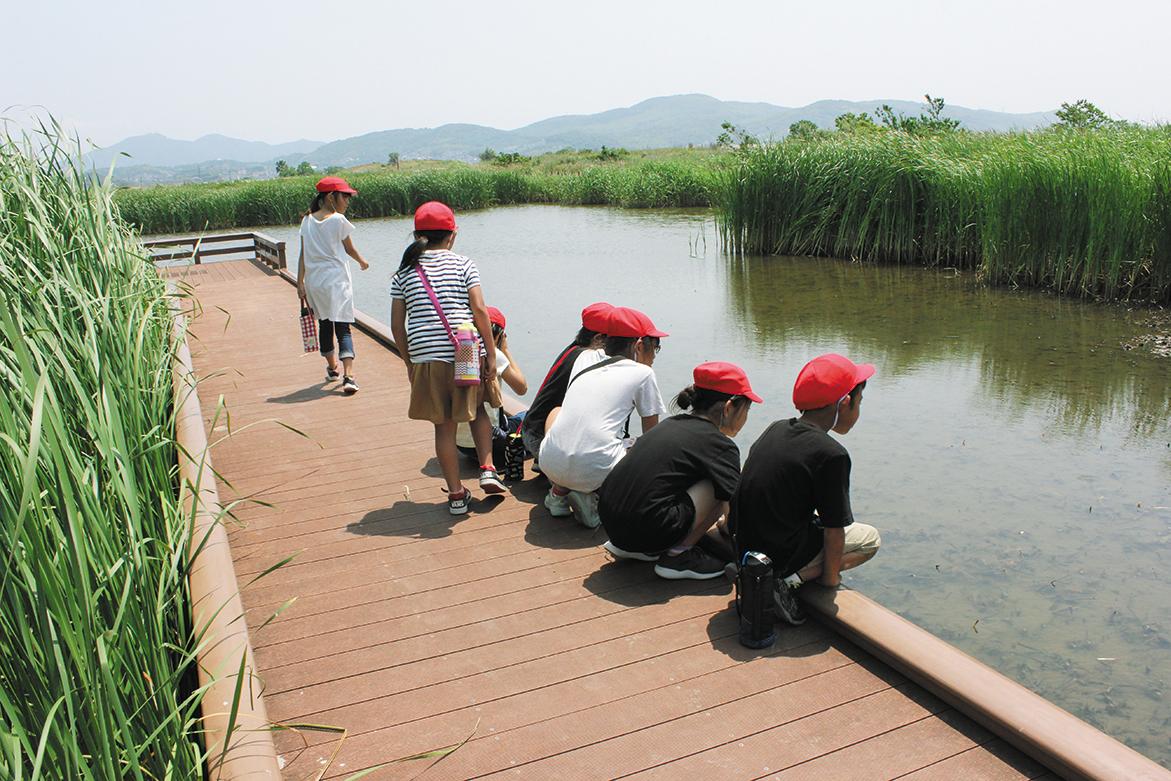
451 277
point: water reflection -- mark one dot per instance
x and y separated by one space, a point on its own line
1035 351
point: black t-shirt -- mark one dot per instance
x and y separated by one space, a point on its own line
792 470
640 500
552 391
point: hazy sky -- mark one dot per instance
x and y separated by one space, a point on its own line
277 71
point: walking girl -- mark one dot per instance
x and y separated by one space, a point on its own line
432 294
323 275
659 502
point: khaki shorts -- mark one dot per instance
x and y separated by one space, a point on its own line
435 397
860 538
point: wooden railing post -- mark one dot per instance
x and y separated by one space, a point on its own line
280 251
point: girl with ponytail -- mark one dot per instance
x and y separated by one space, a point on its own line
433 292
323 275
659 502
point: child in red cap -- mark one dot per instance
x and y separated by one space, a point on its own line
585 436
323 275
671 487
432 293
509 373
793 501
549 396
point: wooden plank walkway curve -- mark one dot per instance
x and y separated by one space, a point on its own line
507 628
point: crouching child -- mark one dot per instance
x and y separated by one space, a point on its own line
793 500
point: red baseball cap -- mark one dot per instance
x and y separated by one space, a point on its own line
334 184
434 216
594 316
827 379
496 316
725 378
630 323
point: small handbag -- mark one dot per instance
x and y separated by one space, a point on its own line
308 328
467 350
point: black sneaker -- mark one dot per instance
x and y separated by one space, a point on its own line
349 386
458 505
490 482
618 553
331 375
694 563
785 601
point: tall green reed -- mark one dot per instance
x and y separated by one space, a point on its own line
96 647
1084 213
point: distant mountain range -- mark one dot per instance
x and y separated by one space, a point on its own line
659 122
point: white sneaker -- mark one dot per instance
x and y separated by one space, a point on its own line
558 506
585 507
618 553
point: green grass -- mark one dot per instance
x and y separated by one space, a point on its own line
1084 213
95 639
663 181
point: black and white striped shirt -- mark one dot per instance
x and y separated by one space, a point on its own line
451 277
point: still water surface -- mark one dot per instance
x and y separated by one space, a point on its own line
1016 459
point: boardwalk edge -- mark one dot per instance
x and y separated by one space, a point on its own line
243 748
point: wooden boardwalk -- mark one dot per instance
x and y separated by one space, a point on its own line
507 628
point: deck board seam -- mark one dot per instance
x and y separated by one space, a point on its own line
440 655
419 591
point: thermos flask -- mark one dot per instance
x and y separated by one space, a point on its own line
754 598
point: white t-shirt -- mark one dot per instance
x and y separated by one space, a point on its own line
585 441
586 359
328 285
463 432
451 277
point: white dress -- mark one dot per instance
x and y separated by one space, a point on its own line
328 284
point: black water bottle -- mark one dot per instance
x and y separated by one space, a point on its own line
514 458
754 596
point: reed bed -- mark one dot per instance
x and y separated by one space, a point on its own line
186 208
96 646
1084 213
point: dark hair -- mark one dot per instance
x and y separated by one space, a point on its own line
703 400
416 248
853 394
319 199
585 337
497 332
619 345
315 204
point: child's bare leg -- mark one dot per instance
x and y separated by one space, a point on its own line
707 511
482 435
448 455
849 561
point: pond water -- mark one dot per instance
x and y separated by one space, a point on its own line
1016 459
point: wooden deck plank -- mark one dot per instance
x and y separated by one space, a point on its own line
411 627
991 761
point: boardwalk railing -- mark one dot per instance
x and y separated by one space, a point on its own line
226 246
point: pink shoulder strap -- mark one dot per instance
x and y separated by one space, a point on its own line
435 302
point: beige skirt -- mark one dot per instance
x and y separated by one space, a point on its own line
435 396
